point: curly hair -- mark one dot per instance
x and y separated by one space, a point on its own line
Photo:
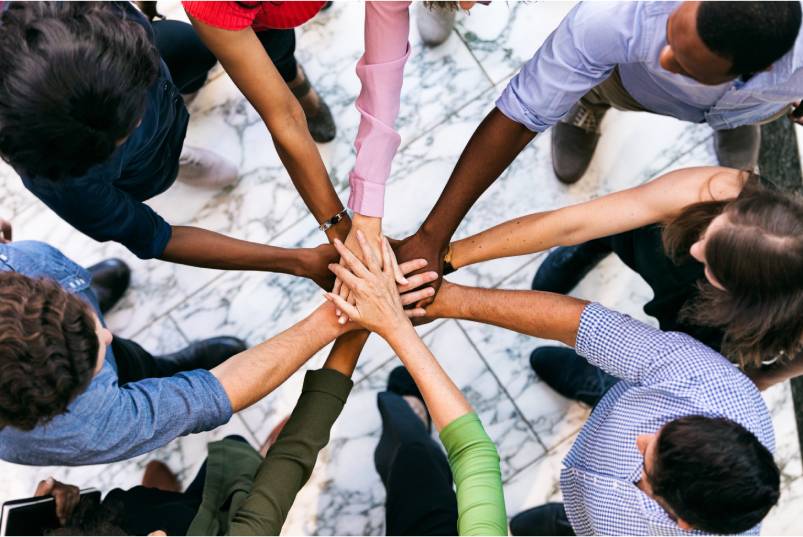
758 258
74 78
48 349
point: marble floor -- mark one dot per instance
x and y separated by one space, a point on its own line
447 92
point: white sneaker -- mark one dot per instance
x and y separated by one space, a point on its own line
434 24
203 168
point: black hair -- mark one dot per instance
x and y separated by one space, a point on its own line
714 474
752 35
73 83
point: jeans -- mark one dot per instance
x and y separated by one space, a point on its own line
415 472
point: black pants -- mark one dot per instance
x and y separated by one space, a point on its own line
415 472
189 60
135 363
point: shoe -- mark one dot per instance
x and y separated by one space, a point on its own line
320 122
574 139
158 476
401 383
566 266
110 279
547 519
203 168
738 148
570 374
434 23
205 354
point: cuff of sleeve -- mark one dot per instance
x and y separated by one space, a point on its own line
467 426
366 198
514 109
328 381
156 247
589 320
218 408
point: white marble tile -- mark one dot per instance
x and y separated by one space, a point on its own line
344 495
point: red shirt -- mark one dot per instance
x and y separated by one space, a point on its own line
257 15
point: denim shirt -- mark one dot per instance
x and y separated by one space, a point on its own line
106 203
596 37
108 422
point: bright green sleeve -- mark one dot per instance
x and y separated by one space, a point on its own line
478 479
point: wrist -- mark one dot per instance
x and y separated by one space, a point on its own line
398 332
434 236
368 224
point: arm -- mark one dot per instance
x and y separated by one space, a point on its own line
659 200
472 455
290 461
252 70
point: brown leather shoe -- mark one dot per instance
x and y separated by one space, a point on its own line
738 148
158 476
574 139
320 122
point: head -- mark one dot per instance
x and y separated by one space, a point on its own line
714 42
709 474
73 83
51 345
752 251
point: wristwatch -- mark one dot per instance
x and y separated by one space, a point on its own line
334 220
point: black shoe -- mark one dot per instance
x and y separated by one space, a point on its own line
738 148
204 354
570 374
401 383
547 519
574 140
565 266
110 279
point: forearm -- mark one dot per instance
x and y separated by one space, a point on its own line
203 248
535 313
444 400
346 351
253 374
491 149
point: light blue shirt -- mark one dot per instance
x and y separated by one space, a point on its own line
108 422
596 37
665 376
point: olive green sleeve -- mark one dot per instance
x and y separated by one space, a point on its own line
290 461
474 461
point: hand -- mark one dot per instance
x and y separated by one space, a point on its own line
66 496
371 229
5 231
314 264
420 246
378 305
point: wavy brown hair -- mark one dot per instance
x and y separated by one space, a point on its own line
758 258
48 349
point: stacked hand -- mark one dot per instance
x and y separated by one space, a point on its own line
378 305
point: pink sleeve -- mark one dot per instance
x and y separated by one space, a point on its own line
387 26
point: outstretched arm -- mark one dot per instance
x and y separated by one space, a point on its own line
250 67
657 201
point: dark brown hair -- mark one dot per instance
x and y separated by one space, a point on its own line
758 258
714 474
48 349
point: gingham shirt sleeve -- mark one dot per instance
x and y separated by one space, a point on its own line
633 351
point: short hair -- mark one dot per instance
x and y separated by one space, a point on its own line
714 474
752 35
73 83
48 349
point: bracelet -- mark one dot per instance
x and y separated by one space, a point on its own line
331 222
447 261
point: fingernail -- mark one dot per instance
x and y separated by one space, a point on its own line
342 320
337 241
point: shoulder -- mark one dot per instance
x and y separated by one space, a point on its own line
223 15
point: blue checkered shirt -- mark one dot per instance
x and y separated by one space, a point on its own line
665 375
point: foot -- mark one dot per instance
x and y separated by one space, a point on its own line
547 519
738 148
566 266
158 476
320 122
570 374
204 354
434 23
401 383
203 168
110 279
574 139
